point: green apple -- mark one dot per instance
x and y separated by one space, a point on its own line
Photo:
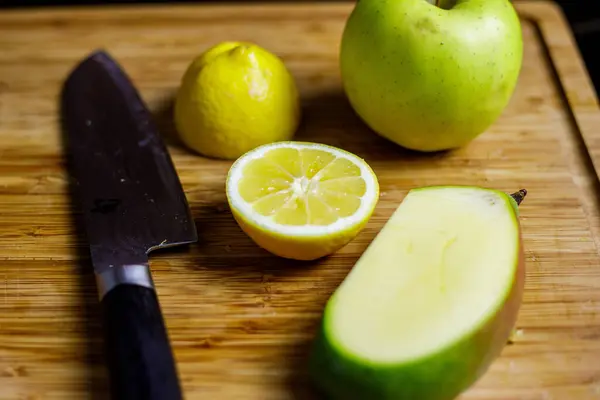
431 77
430 303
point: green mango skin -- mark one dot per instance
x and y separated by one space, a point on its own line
426 78
441 376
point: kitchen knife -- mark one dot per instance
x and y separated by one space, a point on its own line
132 202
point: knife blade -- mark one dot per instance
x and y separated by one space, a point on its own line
132 202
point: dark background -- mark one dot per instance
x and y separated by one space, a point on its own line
585 22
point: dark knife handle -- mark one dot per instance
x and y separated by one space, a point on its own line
140 362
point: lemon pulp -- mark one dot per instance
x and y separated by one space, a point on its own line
302 186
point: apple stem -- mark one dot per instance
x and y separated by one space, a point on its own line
519 196
444 4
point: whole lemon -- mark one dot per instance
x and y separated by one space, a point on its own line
234 97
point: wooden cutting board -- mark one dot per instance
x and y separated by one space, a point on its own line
240 319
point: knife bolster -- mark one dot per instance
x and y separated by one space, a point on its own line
134 274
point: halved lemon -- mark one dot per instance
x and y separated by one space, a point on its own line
301 200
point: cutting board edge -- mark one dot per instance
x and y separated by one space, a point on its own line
88 10
568 65
223 346
578 95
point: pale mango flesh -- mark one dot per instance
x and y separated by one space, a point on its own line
430 304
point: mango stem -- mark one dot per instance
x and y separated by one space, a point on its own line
519 196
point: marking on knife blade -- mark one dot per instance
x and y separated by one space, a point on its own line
105 206
144 142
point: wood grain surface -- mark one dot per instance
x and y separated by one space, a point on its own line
241 320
